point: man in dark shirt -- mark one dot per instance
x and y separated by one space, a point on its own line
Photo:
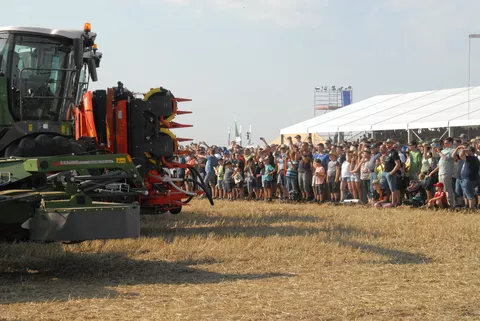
469 174
389 175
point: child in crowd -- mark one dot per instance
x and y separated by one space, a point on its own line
380 197
238 180
258 178
319 180
220 171
267 179
228 180
440 198
333 177
250 177
291 177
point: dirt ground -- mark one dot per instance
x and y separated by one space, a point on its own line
249 261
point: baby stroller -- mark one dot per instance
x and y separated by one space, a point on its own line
416 194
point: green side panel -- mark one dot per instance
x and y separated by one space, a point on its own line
12 170
76 201
18 206
5 116
77 162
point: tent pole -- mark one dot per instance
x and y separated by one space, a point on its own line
446 132
419 138
281 139
409 135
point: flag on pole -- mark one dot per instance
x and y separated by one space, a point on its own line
237 133
228 143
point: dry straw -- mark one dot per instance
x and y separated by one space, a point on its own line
248 261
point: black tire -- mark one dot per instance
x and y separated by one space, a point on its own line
43 145
176 210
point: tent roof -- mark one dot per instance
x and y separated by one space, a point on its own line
428 109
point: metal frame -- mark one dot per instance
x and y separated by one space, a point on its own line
470 37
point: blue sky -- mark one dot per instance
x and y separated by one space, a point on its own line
261 59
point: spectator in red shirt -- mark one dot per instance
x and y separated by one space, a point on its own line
440 197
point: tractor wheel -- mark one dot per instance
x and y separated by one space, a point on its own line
176 210
43 145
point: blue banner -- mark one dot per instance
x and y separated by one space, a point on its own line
346 97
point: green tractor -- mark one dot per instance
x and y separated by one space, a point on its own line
77 165
46 177
42 76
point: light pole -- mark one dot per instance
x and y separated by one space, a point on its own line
470 37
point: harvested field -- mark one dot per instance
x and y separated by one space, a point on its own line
244 261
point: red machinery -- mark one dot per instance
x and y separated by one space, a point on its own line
121 123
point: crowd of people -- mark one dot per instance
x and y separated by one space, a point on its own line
442 173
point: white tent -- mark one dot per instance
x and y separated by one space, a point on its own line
429 109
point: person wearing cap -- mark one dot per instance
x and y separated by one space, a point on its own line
298 141
445 169
391 170
440 197
469 174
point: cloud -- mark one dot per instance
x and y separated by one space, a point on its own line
288 13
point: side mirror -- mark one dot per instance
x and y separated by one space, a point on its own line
78 52
92 69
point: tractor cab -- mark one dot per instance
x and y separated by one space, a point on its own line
42 75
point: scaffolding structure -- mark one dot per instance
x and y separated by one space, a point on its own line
327 98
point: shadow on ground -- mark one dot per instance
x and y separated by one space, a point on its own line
87 275
276 224
394 256
231 226
63 275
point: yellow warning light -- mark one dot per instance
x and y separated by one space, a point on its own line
94 47
87 27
